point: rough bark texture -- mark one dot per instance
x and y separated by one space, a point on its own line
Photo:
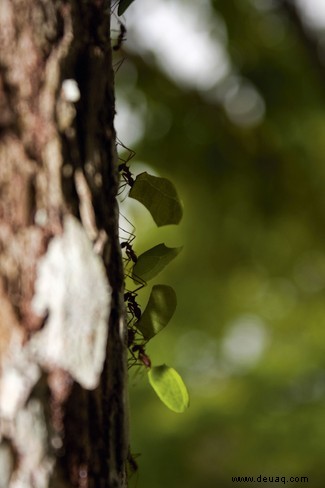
62 407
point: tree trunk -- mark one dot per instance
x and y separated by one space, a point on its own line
62 331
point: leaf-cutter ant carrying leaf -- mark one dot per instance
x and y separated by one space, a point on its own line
129 251
126 243
139 356
126 174
160 198
132 305
142 356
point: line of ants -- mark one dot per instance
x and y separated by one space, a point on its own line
135 340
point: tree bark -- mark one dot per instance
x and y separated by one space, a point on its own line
62 330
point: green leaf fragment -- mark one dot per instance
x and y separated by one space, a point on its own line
123 5
160 308
159 196
151 262
169 387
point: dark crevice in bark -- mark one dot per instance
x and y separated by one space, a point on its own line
90 63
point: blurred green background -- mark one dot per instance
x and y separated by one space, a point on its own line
227 99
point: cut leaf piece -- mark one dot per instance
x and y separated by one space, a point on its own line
123 5
151 262
159 196
170 387
158 312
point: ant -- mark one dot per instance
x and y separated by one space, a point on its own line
132 305
126 244
132 464
121 37
131 336
142 356
137 351
124 168
129 251
126 174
